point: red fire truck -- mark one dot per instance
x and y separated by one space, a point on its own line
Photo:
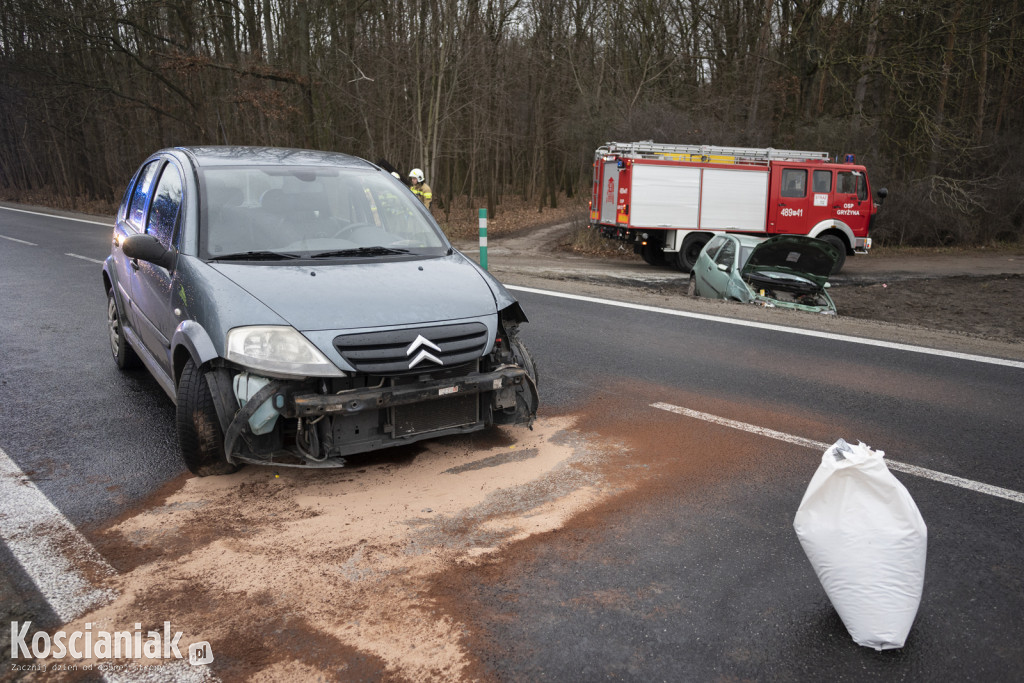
669 200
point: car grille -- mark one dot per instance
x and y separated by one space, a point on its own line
432 416
388 353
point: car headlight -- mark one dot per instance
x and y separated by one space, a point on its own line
277 349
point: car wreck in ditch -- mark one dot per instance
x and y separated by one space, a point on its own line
786 271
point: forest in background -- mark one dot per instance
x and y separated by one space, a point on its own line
499 98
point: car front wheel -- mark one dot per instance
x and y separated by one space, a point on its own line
200 437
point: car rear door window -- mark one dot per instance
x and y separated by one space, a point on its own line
137 208
163 211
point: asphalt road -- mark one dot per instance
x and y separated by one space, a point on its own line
694 574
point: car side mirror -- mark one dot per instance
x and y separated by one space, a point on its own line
882 194
148 248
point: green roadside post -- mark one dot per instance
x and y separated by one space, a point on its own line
483 238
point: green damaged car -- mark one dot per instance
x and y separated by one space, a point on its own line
785 271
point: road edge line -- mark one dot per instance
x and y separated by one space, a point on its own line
991 360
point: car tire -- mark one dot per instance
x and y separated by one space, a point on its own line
526 396
691 289
686 259
840 246
200 437
124 354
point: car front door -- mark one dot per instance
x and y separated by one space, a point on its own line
152 284
722 265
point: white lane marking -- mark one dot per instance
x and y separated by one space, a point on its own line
85 258
15 239
50 551
48 547
65 218
960 482
777 328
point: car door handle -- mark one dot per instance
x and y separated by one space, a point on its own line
135 263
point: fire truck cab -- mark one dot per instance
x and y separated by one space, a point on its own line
669 200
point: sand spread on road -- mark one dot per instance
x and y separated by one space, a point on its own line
288 571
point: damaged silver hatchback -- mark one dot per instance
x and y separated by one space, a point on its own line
299 307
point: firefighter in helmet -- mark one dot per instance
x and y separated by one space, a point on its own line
419 187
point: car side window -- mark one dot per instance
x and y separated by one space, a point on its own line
794 182
137 208
713 246
163 210
727 254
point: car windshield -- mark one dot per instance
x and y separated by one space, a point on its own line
277 213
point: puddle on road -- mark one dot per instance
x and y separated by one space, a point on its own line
327 572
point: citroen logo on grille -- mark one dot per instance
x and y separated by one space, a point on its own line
423 355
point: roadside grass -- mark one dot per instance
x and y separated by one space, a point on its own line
514 216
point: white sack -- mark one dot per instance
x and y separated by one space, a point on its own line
867 542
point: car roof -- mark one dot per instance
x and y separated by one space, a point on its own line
224 155
748 240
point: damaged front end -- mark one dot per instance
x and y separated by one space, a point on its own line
391 400
791 271
773 291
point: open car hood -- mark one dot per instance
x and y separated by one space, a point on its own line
804 256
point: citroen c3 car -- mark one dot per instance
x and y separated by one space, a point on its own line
784 271
301 306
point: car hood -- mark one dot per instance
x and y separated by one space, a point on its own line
805 256
336 296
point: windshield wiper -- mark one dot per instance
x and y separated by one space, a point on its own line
361 251
255 256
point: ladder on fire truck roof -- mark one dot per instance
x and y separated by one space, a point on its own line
648 149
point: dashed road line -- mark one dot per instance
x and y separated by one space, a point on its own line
775 328
85 258
942 477
15 239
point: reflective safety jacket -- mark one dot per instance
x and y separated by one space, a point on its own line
423 193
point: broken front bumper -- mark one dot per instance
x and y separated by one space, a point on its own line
367 419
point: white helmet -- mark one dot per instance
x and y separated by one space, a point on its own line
395 173
416 174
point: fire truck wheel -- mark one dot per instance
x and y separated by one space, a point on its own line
840 246
692 246
653 255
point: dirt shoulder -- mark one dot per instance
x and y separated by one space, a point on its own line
967 302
